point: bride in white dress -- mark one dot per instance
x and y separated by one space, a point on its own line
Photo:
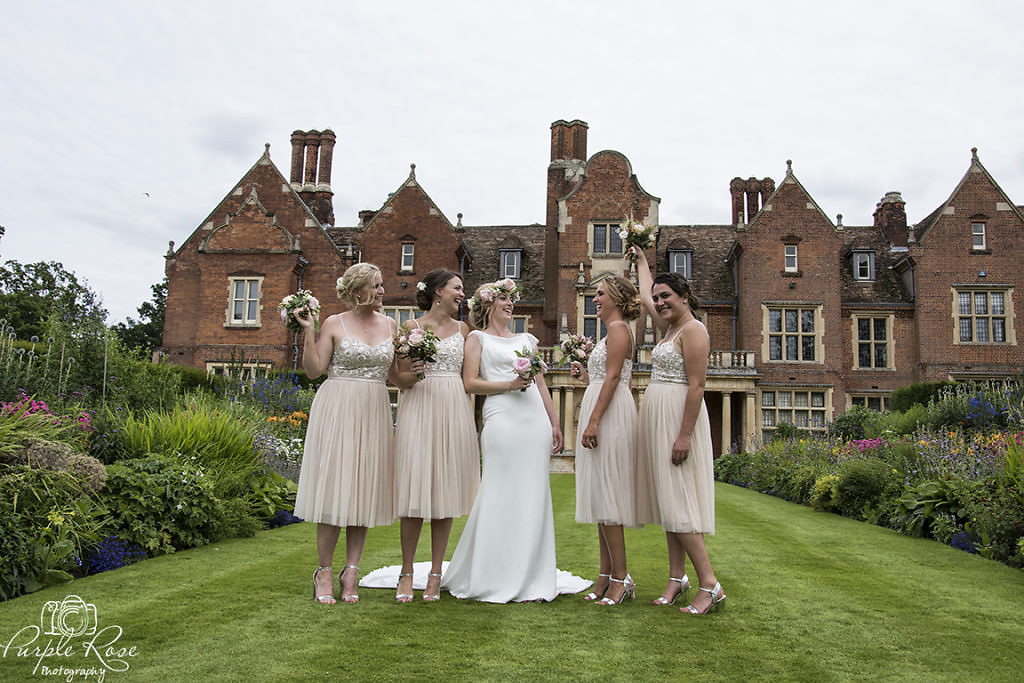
507 549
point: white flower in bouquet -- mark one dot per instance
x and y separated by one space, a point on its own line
637 236
302 302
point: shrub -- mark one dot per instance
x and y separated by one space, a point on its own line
47 520
921 393
862 485
824 494
995 516
916 509
729 468
906 422
161 504
856 423
799 484
785 431
57 456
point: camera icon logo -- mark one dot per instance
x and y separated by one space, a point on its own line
71 617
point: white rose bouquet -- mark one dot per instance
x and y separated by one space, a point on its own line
636 235
301 301
418 343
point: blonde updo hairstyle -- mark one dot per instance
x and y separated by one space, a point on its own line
354 279
624 295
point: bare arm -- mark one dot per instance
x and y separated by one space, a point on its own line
549 408
471 373
695 348
318 349
646 280
620 346
403 372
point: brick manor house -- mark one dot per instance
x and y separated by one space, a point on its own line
807 316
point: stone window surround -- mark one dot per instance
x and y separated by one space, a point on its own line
855 341
229 320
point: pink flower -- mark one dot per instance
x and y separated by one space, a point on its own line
416 337
521 366
486 295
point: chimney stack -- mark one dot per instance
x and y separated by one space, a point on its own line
569 140
313 151
891 217
748 197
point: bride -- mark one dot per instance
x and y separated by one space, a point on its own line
507 549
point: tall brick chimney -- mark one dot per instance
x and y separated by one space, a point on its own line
891 218
748 197
568 159
312 156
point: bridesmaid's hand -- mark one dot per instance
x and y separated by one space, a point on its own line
681 449
589 438
556 439
417 367
577 370
304 318
519 382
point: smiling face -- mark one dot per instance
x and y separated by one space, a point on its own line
669 306
501 309
450 297
603 302
372 293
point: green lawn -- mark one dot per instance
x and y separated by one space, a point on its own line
812 596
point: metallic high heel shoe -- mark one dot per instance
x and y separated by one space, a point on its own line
432 597
325 598
403 597
594 596
684 586
630 590
351 597
717 598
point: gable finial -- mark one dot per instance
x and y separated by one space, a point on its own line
789 167
839 220
412 170
458 224
266 149
974 153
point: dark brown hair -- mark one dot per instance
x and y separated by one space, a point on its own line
678 284
433 281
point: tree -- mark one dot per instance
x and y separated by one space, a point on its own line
147 332
33 292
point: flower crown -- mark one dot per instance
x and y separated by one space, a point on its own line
491 292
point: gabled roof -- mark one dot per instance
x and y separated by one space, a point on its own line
922 229
712 276
264 160
629 172
409 182
887 287
791 179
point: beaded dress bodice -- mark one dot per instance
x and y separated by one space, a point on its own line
353 359
449 357
597 365
667 365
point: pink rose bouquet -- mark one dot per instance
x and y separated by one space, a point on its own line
577 348
302 301
418 343
528 364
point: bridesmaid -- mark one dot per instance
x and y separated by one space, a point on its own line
674 442
606 448
437 461
346 478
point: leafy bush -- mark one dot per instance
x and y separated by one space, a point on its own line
921 394
857 422
917 508
800 481
861 486
996 518
47 521
906 422
729 468
785 431
824 493
161 504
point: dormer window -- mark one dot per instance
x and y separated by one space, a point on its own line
864 265
511 261
680 261
978 242
790 254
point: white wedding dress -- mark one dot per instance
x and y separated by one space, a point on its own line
507 549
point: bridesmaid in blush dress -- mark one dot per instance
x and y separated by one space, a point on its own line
674 443
507 549
346 478
437 461
606 446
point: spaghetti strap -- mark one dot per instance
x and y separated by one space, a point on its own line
343 328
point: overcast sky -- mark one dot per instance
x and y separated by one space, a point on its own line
122 124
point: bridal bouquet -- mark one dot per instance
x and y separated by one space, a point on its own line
529 364
636 235
419 343
302 300
577 348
